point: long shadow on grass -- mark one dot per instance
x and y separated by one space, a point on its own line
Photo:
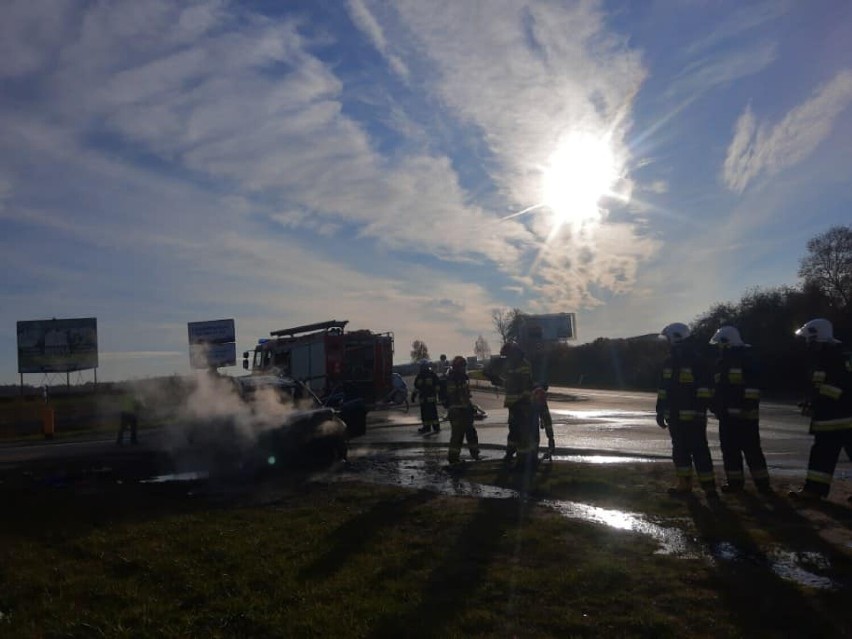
461 573
62 502
358 532
765 604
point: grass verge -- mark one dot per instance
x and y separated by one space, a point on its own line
289 557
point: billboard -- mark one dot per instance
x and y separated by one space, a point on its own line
212 355
212 332
552 328
212 343
57 345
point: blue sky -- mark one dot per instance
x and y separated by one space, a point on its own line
284 163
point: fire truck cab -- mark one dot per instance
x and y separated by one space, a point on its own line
328 359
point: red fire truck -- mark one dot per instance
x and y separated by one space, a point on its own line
328 359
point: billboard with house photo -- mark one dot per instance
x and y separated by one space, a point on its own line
57 345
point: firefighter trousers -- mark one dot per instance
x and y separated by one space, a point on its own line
521 438
429 414
824 453
461 426
541 420
689 447
740 438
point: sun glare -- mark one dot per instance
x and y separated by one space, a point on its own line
580 172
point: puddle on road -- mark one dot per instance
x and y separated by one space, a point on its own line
162 479
429 473
604 459
604 415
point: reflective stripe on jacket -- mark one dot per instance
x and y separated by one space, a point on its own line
736 392
684 390
518 383
831 392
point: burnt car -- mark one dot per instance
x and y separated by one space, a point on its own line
262 421
307 432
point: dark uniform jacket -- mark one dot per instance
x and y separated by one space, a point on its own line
517 383
831 392
684 390
426 385
458 391
736 393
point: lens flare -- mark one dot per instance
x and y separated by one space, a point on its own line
581 171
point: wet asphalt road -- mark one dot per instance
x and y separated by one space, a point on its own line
585 420
621 423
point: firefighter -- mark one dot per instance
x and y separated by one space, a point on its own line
682 400
542 419
460 411
736 403
129 418
518 384
426 386
829 407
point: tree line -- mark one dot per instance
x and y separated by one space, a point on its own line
766 317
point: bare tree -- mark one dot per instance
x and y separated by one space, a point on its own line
481 348
828 264
419 350
506 322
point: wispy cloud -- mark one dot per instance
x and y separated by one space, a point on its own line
365 21
704 74
760 148
740 21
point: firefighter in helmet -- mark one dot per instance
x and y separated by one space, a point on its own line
736 403
518 385
460 411
829 407
426 386
682 399
542 419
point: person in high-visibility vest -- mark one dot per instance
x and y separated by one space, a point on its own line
518 385
736 403
829 407
129 418
426 386
682 398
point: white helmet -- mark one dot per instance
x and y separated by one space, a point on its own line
818 330
675 333
726 337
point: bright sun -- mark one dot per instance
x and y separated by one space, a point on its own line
580 172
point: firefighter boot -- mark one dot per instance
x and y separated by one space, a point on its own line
682 488
804 495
